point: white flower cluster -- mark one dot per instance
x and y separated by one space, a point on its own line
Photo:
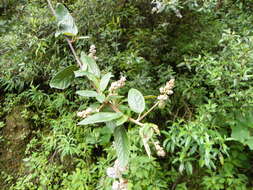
117 84
158 6
116 172
156 129
92 52
85 113
167 90
159 150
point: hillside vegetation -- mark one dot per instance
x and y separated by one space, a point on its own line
86 121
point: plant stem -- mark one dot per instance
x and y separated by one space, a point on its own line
51 7
74 53
130 119
145 114
68 40
135 121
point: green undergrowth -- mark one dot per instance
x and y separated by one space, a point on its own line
206 124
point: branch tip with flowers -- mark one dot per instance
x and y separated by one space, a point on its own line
108 98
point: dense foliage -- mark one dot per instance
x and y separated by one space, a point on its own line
206 125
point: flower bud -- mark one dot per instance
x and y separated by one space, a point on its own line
162 97
161 153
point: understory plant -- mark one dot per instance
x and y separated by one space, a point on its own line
111 106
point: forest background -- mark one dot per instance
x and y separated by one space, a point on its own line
206 125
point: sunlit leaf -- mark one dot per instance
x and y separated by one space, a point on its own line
87 93
146 132
136 100
100 117
89 75
104 81
91 64
249 142
83 60
65 22
188 168
121 145
100 98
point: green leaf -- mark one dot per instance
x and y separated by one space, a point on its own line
136 100
87 93
100 98
104 81
89 75
181 167
240 133
114 97
100 117
249 142
188 168
83 60
65 22
111 125
121 145
63 78
146 133
91 64
121 120
117 122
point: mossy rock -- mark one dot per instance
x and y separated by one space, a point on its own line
16 134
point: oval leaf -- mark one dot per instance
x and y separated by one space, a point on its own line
136 100
146 133
91 64
104 81
87 93
84 64
100 117
63 78
121 145
66 24
89 75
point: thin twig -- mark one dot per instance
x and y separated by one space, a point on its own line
74 52
68 40
145 114
135 121
51 7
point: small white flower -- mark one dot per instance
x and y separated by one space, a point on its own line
116 185
162 97
154 9
162 90
161 153
122 78
111 172
169 92
84 113
92 47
